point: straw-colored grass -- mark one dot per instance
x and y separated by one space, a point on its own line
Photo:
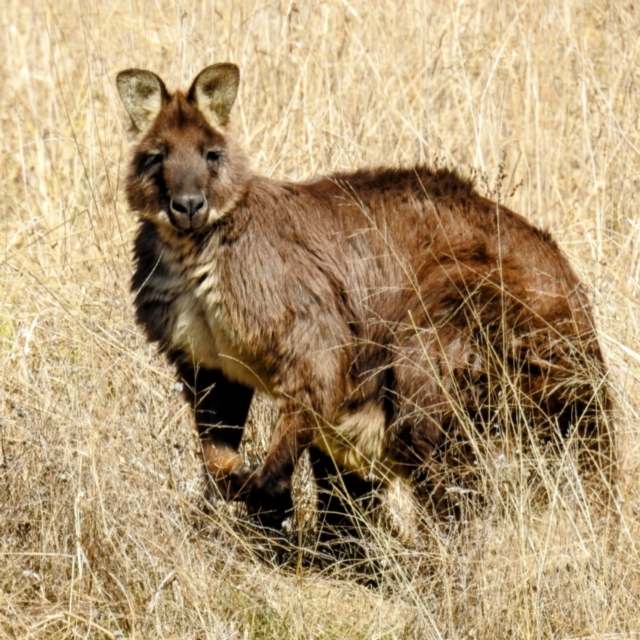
103 530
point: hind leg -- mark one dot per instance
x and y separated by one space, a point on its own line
346 502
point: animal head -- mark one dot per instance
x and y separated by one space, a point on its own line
186 171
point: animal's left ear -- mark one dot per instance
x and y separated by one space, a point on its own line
214 91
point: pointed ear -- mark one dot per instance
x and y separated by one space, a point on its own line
143 94
214 91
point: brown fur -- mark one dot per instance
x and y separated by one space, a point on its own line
382 310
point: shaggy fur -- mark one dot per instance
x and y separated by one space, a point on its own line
382 310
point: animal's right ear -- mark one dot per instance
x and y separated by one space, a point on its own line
143 94
214 91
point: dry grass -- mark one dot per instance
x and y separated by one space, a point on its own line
102 534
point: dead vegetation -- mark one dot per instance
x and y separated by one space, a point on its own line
103 528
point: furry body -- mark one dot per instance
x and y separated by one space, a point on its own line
378 308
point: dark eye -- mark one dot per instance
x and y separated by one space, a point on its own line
213 156
151 160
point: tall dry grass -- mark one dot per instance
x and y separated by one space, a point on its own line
103 530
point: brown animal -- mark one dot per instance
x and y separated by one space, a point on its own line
382 310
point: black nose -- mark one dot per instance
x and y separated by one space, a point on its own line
188 205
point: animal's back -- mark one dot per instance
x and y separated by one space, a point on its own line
396 232
419 246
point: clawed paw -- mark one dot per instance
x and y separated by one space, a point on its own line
267 496
269 499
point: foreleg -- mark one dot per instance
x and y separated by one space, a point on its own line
220 407
270 492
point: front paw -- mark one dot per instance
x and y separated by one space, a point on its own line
235 484
269 499
230 476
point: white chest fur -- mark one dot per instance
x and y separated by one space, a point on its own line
202 327
192 333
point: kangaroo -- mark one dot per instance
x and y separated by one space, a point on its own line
382 310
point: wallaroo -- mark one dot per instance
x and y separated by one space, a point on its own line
386 312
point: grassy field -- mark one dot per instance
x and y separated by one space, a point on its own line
103 529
